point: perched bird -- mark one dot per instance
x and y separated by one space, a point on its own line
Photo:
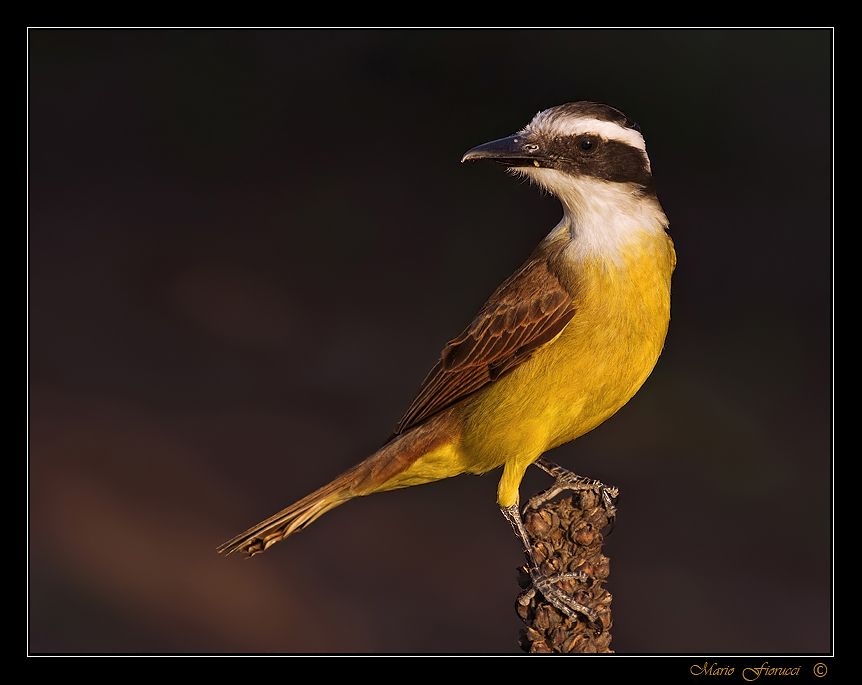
556 350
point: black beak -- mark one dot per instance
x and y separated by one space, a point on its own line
511 151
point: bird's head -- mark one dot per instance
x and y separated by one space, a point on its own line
570 146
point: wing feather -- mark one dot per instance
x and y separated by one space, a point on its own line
527 311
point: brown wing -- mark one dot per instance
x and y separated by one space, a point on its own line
528 310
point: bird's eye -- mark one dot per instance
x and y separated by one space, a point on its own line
587 144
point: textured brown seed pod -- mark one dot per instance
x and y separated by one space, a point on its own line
566 535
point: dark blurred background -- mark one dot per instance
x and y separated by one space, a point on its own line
248 247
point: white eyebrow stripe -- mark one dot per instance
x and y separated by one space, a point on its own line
569 126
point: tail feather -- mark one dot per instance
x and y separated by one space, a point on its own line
377 473
294 518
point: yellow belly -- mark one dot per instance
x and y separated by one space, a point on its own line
572 384
584 376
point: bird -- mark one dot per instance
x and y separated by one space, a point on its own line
558 348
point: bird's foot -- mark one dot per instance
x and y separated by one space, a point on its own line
565 603
566 480
558 589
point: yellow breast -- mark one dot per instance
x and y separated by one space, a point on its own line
580 379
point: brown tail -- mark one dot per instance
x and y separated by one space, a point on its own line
372 475
297 516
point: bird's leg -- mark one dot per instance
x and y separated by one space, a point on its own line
566 480
547 585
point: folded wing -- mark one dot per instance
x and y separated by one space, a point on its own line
528 310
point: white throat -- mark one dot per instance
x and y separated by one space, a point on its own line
601 217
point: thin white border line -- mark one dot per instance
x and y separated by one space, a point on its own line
834 172
635 656
27 351
466 28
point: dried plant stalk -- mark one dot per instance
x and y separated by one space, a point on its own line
566 535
